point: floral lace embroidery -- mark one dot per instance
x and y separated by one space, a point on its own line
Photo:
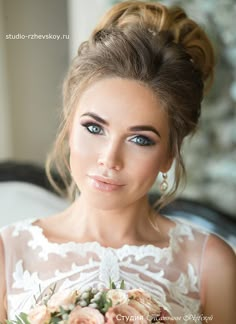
128 262
47 247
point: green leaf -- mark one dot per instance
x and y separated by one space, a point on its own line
106 306
20 319
110 283
23 318
113 286
122 284
55 320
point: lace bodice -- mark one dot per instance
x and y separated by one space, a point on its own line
172 274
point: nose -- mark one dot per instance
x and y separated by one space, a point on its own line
111 157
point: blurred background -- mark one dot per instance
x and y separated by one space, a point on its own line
32 72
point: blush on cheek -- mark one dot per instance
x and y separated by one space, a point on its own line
77 169
80 143
81 159
74 140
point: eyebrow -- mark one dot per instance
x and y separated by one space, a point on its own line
145 128
96 117
138 128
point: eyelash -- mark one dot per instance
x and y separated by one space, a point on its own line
87 125
146 141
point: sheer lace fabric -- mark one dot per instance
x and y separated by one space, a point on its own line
172 274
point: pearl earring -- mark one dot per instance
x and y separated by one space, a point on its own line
164 183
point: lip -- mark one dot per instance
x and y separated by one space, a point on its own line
104 183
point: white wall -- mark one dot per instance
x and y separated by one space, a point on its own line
35 72
5 134
32 71
83 16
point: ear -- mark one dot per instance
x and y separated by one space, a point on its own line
167 165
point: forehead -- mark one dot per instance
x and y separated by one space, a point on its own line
123 100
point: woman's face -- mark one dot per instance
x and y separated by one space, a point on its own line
118 143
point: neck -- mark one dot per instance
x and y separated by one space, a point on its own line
111 227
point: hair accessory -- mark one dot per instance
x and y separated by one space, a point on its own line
164 183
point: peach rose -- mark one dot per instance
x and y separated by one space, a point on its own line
149 307
139 294
39 315
85 315
61 298
117 296
139 307
124 313
146 300
162 316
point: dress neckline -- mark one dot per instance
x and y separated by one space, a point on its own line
38 235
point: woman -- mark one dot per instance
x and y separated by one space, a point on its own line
132 95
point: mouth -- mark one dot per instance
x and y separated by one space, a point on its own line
104 184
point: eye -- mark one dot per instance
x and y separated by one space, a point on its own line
142 140
93 128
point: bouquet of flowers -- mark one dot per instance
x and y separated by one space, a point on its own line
96 306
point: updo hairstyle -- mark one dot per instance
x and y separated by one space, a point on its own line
157 46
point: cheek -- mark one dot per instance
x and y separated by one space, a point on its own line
83 144
78 142
147 167
82 153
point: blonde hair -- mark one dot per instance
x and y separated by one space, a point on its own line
158 46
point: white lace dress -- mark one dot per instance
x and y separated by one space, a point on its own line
172 273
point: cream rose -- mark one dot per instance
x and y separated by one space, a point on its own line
117 296
61 298
39 315
124 313
85 315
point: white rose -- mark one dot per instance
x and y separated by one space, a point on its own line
117 296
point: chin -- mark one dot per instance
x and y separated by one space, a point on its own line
104 201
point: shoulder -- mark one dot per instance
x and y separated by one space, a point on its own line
215 243
2 258
218 253
187 232
16 226
1 252
218 279
2 282
13 235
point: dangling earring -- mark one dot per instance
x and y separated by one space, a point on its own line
164 183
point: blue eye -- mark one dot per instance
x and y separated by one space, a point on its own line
142 140
94 129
